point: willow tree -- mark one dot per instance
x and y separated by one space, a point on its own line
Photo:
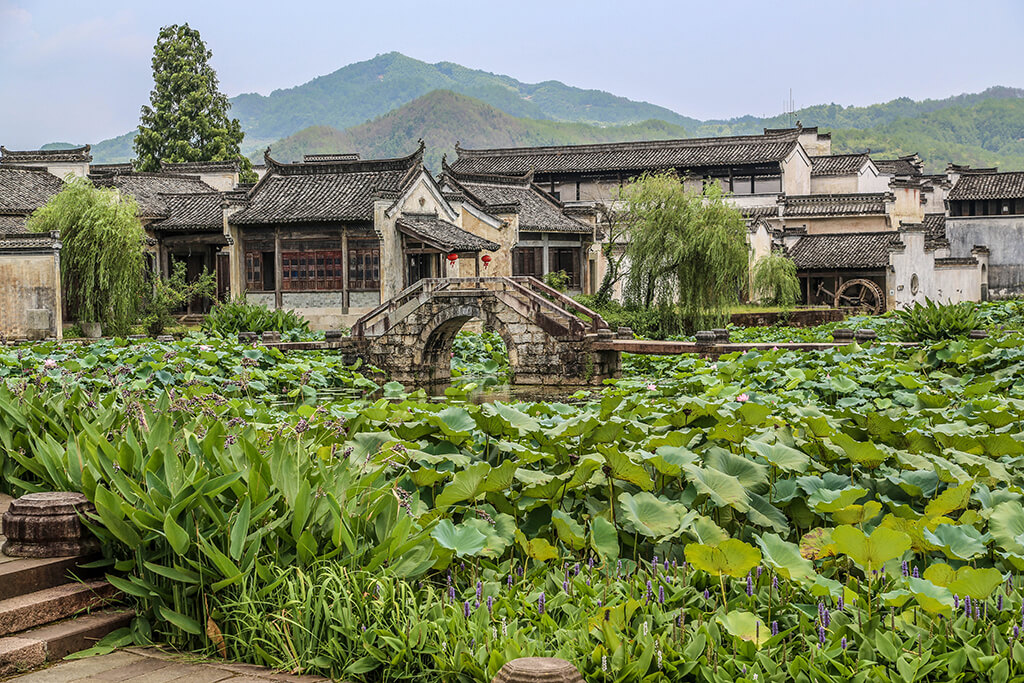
774 281
187 118
101 258
687 252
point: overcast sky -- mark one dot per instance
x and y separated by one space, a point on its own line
79 71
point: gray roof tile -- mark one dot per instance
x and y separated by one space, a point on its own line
835 204
838 164
843 251
146 188
442 234
630 156
10 156
193 212
988 186
22 191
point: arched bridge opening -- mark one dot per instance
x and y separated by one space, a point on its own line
551 340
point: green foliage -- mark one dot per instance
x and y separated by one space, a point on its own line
170 294
102 252
480 358
932 321
687 252
557 279
228 318
188 117
774 280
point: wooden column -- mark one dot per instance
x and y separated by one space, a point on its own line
476 264
344 268
278 271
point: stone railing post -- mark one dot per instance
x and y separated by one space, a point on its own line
48 525
842 335
538 670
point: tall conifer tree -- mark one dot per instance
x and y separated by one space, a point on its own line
187 119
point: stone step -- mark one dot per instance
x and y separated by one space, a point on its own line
51 604
47 644
19 576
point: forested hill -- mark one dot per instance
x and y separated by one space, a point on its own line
365 90
443 118
385 95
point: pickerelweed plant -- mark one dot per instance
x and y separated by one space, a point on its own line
850 514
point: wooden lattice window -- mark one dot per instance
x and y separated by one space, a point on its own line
528 261
312 270
363 265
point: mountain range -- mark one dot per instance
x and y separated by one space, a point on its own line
382 106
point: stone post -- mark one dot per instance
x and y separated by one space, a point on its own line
865 335
721 335
977 334
843 335
48 525
538 670
705 338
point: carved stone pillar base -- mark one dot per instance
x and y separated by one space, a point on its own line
48 525
538 670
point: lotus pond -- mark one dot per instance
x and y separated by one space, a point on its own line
846 515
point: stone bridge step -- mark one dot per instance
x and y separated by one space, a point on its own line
19 576
51 604
47 644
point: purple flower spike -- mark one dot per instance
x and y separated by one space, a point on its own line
540 604
956 601
509 580
843 642
650 592
490 604
479 589
775 583
840 604
565 586
999 604
750 585
661 595
760 569
1016 632
465 609
821 635
775 628
707 594
906 568
915 573
451 593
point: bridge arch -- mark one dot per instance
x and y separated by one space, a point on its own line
411 336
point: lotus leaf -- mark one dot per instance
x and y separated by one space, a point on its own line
746 626
786 558
870 552
731 557
649 515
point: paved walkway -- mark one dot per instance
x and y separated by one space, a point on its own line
146 665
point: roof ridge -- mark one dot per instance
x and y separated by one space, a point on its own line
354 166
633 144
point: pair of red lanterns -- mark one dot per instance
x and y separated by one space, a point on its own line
452 258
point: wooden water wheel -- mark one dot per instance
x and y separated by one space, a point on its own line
861 294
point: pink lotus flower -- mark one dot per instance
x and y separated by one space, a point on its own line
743 398
49 363
652 387
775 348
205 347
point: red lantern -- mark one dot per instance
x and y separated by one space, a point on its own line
486 259
452 258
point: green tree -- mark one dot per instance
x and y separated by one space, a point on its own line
101 260
775 282
188 117
169 294
687 252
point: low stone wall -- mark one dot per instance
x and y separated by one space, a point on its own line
800 317
30 294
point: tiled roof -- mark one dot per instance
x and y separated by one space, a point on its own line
989 186
22 191
842 251
10 156
935 228
33 240
838 164
107 169
752 213
538 211
196 212
146 188
325 192
200 166
327 158
629 156
835 204
907 165
12 224
442 234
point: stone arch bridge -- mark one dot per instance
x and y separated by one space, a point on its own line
551 339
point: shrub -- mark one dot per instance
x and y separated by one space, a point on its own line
775 282
231 317
170 294
557 279
645 322
932 321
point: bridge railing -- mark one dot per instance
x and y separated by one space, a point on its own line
380 316
553 304
565 301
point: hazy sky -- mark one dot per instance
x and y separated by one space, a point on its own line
79 71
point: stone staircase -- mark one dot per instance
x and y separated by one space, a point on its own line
50 608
